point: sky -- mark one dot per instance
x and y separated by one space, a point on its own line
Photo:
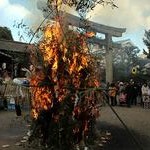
134 15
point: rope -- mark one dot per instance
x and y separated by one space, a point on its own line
137 143
39 27
36 32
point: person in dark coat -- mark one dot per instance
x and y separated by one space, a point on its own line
130 93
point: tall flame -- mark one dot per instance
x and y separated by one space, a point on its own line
65 57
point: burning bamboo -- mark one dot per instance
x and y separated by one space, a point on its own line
63 112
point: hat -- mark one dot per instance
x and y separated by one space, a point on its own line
121 83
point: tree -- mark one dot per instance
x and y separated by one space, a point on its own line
124 59
5 33
146 41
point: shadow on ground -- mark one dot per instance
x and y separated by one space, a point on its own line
122 140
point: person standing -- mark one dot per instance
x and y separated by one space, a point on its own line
6 77
134 94
7 81
130 93
112 94
148 105
145 97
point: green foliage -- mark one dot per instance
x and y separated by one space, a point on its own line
5 34
146 41
82 6
124 60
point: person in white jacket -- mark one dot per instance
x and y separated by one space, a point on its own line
145 92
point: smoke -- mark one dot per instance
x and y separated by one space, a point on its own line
36 15
132 15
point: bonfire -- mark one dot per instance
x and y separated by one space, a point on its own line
64 82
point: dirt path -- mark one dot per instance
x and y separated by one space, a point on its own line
13 129
137 120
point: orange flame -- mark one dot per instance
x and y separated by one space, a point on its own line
90 34
55 47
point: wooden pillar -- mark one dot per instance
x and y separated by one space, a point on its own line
109 60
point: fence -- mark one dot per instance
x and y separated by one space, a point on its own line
12 94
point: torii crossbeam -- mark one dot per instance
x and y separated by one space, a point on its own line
107 42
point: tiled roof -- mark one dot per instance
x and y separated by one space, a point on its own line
13 46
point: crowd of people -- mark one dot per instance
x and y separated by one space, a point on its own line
129 93
120 93
13 88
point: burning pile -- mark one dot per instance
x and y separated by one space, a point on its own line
64 107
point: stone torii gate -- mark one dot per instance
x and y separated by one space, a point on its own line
95 27
108 31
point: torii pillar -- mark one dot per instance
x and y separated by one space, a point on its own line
107 42
109 59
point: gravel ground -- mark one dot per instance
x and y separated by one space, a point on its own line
12 130
137 119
